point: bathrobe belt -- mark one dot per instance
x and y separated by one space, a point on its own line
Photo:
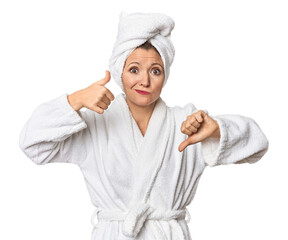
134 219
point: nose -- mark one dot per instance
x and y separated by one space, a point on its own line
145 80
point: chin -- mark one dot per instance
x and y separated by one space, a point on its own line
142 101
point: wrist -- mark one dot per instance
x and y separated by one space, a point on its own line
74 100
216 133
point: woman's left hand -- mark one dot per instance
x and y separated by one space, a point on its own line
198 127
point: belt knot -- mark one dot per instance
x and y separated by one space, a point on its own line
135 219
138 214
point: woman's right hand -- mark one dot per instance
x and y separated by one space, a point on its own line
96 97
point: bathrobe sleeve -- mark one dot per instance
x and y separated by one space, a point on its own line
241 141
55 132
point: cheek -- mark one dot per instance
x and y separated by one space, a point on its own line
158 86
128 81
159 89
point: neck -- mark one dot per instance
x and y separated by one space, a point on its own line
141 114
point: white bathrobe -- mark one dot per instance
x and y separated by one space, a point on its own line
139 184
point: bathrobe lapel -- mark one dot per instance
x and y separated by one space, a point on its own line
148 161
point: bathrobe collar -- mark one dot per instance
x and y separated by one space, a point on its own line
148 161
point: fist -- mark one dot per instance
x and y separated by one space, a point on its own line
97 97
198 127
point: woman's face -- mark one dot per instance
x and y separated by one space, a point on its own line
143 77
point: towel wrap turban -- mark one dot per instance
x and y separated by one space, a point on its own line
134 30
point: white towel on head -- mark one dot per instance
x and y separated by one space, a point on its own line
134 30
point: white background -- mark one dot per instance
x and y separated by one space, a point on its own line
231 57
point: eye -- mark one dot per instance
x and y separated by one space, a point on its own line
156 71
133 70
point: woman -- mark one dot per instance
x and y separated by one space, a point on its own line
141 159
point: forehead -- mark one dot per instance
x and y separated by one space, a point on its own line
144 56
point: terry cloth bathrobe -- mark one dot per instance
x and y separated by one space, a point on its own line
140 185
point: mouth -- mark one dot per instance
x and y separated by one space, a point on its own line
142 92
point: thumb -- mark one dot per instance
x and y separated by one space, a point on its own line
105 80
184 144
192 139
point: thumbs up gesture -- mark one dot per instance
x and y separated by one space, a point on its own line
96 97
198 127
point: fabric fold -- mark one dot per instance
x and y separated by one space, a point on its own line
141 185
134 30
53 128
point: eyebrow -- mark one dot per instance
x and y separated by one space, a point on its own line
151 65
133 63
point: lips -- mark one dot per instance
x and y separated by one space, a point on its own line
142 92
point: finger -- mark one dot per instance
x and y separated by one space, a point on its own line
105 80
200 116
194 123
184 128
109 94
106 100
102 105
187 132
191 128
96 109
